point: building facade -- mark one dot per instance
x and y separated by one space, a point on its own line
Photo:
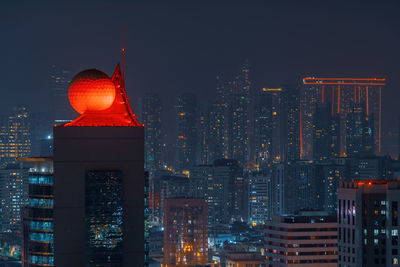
305 239
368 223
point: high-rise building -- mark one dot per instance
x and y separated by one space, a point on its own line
203 136
326 136
38 226
294 136
359 132
59 81
15 136
270 126
218 123
368 221
304 239
186 134
260 196
240 126
151 109
13 196
344 94
99 195
185 232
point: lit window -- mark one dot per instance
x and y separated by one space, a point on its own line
395 232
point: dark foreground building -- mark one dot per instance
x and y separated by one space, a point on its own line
99 177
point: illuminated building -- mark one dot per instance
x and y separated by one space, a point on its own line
99 189
326 138
59 82
293 149
270 126
186 134
13 196
368 220
151 110
343 94
218 123
260 197
239 117
371 168
38 234
304 239
15 136
330 173
203 136
359 132
244 259
185 232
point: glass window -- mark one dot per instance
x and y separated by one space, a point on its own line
395 232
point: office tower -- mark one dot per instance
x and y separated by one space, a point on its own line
59 81
279 193
359 132
303 189
230 181
239 115
99 177
13 196
368 223
203 136
270 126
151 109
309 97
330 173
326 133
293 149
218 123
345 93
185 232
15 136
38 228
186 134
260 204
304 239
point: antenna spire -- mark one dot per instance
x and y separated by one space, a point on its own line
123 54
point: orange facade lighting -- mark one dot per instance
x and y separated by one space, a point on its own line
323 94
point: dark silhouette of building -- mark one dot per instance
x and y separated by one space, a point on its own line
99 177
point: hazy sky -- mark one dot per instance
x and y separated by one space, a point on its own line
180 46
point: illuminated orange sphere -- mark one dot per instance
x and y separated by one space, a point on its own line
90 91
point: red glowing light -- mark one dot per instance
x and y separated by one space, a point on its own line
101 101
91 90
369 183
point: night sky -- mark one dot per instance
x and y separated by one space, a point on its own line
181 46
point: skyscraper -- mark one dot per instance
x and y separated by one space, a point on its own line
368 221
344 94
38 224
326 135
294 135
151 109
13 196
239 116
15 136
186 134
99 177
270 126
